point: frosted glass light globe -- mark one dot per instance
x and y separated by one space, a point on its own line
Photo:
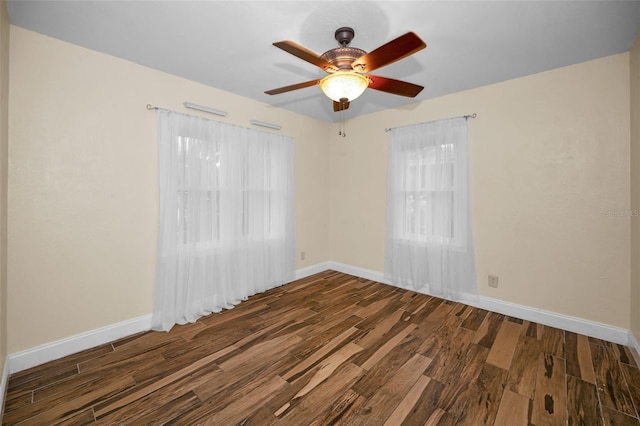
344 85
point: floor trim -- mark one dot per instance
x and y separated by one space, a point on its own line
633 343
311 270
3 385
553 319
51 351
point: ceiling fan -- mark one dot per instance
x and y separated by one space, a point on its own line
347 67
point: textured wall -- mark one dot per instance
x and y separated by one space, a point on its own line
635 187
4 143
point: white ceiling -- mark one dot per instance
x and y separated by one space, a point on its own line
227 44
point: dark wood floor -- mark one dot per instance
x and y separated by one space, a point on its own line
335 349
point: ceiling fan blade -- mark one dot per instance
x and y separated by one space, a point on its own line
395 87
340 106
390 52
292 87
305 54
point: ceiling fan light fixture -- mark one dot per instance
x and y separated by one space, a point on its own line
344 85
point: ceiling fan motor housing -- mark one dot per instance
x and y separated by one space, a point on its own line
342 57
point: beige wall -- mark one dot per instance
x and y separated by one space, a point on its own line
83 199
635 188
548 158
4 142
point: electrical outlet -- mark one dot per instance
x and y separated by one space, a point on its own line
302 255
493 281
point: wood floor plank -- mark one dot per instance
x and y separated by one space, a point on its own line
450 360
488 330
385 399
479 402
612 387
323 372
338 408
550 403
240 409
315 337
177 394
230 387
324 395
380 329
443 313
334 349
167 411
475 319
38 377
504 346
514 410
338 419
324 351
426 404
582 403
624 355
392 309
253 362
264 415
456 387
17 399
408 402
382 372
579 357
530 329
441 418
164 382
46 412
415 301
632 377
387 347
553 341
378 308
524 367
616 418
424 311
78 419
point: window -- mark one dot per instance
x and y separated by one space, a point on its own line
214 185
429 192
429 244
227 223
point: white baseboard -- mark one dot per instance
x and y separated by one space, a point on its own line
4 380
311 270
51 351
577 325
58 349
633 343
367 274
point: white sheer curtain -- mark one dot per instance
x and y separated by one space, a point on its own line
429 244
227 227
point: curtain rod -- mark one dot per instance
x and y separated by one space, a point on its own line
192 106
201 108
474 115
151 107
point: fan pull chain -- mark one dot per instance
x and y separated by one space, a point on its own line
341 131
